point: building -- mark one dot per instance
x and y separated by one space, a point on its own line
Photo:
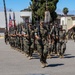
25 15
2 30
22 16
67 22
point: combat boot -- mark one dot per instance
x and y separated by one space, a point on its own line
43 65
30 57
61 56
49 57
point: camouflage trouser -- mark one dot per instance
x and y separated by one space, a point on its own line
51 48
17 42
32 47
6 38
61 47
43 50
74 37
26 45
21 43
12 41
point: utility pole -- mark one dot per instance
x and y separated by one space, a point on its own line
5 15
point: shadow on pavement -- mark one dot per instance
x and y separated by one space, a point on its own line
54 56
35 56
54 65
37 74
69 56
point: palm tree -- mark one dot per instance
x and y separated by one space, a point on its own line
65 10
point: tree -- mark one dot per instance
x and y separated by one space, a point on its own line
65 10
39 6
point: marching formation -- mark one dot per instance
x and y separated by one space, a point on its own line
46 40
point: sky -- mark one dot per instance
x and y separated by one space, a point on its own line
17 5
70 4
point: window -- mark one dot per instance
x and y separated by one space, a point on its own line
26 19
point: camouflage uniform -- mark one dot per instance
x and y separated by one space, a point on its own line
42 44
28 41
6 37
74 36
54 37
62 43
25 41
16 38
11 37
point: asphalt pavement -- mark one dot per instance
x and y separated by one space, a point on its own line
13 62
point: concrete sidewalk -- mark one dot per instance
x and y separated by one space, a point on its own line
1 35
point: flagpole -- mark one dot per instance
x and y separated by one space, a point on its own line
14 18
5 15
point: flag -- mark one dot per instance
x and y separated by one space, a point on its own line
14 19
10 21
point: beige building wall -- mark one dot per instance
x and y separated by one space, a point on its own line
18 17
73 22
63 22
69 22
66 22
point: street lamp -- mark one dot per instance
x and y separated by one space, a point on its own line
5 15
